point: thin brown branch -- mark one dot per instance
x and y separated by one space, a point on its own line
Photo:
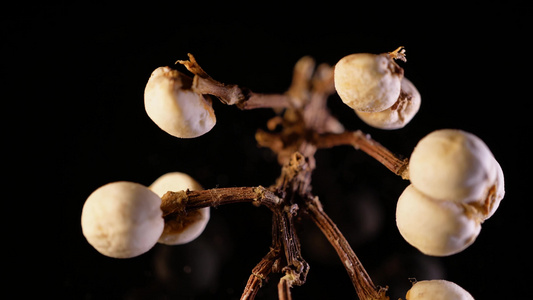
364 287
301 77
257 100
284 288
284 236
366 144
316 114
231 94
297 267
260 273
182 201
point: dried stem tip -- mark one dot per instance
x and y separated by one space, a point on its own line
399 53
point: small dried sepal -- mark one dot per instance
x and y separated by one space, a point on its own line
399 53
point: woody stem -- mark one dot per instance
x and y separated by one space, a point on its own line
181 201
365 143
364 287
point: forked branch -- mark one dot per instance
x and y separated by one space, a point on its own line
306 125
232 94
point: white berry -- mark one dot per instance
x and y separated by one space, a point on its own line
437 290
453 165
122 219
188 228
435 227
493 201
368 82
174 107
399 114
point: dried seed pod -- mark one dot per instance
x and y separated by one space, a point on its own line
453 165
437 290
187 227
122 219
437 228
368 82
399 114
174 107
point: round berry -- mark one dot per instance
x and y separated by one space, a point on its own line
436 228
453 165
368 82
171 103
437 290
122 219
399 114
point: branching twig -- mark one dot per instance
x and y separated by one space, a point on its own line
365 288
231 94
365 143
182 201
306 125
260 273
297 268
284 288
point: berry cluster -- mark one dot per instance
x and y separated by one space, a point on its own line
374 86
124 219
456 183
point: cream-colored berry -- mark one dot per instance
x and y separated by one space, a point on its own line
399 114
183 230
122 219
437 290
496 195
435 227
368 82
453 165
174 107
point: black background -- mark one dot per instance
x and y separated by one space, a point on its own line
74 76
